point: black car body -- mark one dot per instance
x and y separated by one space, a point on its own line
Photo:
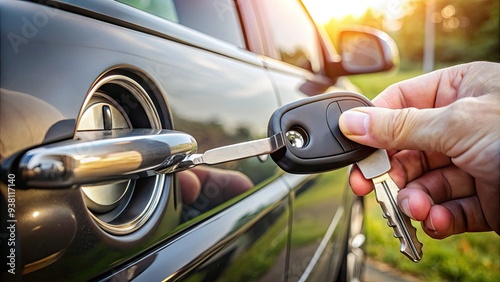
216 70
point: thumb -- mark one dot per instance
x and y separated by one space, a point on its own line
408 128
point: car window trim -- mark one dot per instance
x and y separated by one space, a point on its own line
250 26
269 45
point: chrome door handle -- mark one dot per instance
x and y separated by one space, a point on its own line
99 156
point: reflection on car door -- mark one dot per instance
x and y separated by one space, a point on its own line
221 97
294 61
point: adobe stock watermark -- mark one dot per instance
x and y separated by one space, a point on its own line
11 223
221 8
30 26
210 196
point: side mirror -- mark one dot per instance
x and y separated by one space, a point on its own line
363 50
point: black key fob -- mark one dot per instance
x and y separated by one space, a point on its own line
314 142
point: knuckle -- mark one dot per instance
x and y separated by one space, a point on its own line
454 115
456 123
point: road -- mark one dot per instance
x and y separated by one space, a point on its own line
377 272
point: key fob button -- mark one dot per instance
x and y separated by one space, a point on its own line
333 113
349 104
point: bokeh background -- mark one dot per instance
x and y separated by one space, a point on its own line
430 34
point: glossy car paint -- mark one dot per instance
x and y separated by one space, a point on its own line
56 52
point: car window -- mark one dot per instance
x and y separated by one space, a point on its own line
161 8
293 34
217 18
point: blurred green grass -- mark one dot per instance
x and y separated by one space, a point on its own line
372 84
464 257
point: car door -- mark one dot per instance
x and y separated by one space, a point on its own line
106 56
222 99
294 56
97 68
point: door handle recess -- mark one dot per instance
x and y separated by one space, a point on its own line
99 156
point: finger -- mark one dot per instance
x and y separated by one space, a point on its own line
190 186
442 87
445 201
455 217
407 165
489 197
479 78
359 184
442 218
467 216
446 130
222 184
238 183
437 186
445 184
440 221
393 129
415 203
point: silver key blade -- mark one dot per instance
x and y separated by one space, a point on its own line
386 192
236 151
375 164
375 167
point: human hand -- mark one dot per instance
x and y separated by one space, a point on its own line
222 184
442 132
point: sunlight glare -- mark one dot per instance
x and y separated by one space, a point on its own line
323 10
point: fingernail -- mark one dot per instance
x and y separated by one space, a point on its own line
405 206
356 122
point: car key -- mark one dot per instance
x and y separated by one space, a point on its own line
234 152
315 144
375 167
304 137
